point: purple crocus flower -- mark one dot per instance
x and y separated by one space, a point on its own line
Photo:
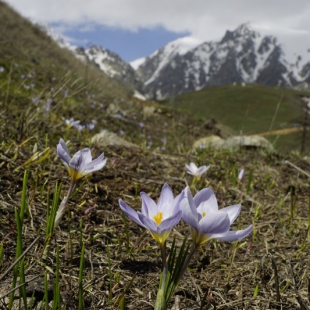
194 170
81 163
48 104
207 221
70 122
158 218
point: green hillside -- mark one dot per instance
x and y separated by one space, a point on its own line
25 48
248 109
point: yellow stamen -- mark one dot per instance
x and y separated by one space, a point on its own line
158 217
204 214
75 174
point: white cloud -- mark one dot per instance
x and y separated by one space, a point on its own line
203 19
206 19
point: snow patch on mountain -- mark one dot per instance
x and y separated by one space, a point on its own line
135 64
177 47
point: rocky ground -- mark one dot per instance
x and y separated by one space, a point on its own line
267 270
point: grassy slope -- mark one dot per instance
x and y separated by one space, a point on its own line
249 109
28 46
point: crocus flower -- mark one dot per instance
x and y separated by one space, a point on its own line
158 218
194 170
240 175
71 122
90 126
79 127
81 163
207 221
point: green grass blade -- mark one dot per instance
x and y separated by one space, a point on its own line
24 192
45 298
22 279
81 279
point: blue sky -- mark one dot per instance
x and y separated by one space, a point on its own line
129 45
136 28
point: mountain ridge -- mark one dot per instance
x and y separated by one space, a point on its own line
187 64
241 56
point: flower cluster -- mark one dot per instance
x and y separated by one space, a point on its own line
201 213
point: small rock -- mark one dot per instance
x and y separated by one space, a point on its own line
106 138
148 111
234 143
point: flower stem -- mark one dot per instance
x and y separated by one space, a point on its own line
59 214
165 264
160 298
63 205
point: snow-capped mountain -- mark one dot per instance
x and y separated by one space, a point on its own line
110 63
188 64
242 56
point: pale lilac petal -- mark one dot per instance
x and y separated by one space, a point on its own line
76 161
177 202
191 169
232 212
149 207
165 199
148 223
170 222
63 144
231 236
95 165
63 152
202 170
193 166
87 158
189 211
95 161
188 167
131 213
240 175
205 201
214 223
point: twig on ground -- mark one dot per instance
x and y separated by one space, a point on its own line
16 262
297 168
301 302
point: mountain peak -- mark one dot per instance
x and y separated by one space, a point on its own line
243 31
184 44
